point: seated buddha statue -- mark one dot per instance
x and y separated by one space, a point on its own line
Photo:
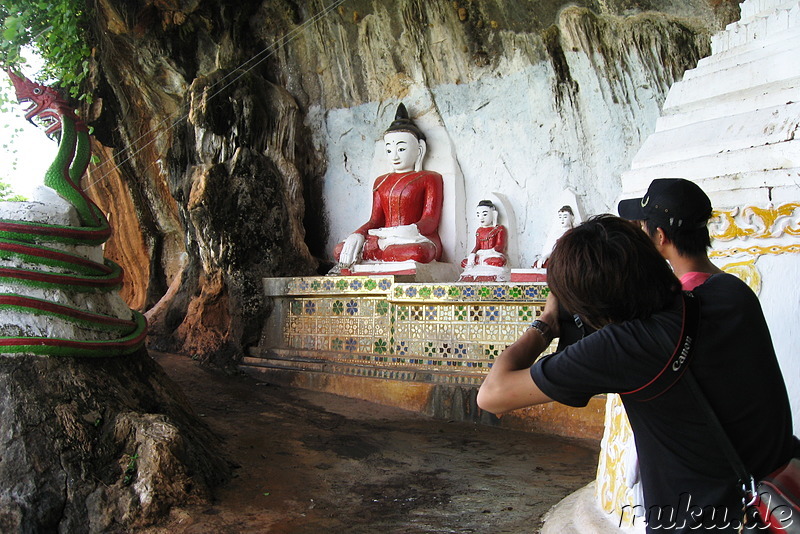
566 221
406 205
487 261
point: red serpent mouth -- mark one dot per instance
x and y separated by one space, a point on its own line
47 119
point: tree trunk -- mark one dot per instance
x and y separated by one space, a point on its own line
98 445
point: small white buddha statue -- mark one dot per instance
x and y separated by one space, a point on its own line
566 221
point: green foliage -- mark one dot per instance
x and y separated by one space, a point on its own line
130 470
56 30
7 194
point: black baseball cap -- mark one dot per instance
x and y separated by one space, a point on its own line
674 202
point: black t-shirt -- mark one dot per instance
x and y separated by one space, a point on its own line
684 472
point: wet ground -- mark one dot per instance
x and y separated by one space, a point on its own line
312 462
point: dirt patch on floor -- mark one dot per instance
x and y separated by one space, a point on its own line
310 462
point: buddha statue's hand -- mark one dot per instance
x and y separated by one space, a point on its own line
407 231
351 250
471 260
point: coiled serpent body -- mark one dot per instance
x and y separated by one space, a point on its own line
46 248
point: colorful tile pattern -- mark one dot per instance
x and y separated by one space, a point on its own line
446 329
339 285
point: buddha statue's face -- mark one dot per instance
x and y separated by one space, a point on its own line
402 150
565 219
485 215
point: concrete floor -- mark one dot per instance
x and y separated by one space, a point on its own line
311 462
579 513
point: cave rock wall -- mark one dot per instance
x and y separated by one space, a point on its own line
532 114
242 135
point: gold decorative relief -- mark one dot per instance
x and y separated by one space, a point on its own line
755 223
755 251
612 491
747 272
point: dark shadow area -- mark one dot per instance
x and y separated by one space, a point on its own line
309 462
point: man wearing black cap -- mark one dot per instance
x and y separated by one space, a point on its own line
674 213
611 274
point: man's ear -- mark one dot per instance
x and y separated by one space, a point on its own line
661 238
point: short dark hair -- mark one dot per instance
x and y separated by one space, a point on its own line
687 241
607 270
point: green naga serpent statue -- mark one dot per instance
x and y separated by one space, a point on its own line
43 259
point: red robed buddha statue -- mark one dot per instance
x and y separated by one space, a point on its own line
487 261
406 205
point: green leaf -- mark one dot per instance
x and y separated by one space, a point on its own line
11 22
56 31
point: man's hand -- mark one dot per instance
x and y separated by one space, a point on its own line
509 384
550 315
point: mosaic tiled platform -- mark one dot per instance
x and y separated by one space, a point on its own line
382 327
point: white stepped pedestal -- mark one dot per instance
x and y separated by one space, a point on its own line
731 124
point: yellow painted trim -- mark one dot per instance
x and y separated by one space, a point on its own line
756 251
761 222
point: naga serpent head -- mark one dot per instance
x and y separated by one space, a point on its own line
44 103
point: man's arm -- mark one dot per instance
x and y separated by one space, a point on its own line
509 384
